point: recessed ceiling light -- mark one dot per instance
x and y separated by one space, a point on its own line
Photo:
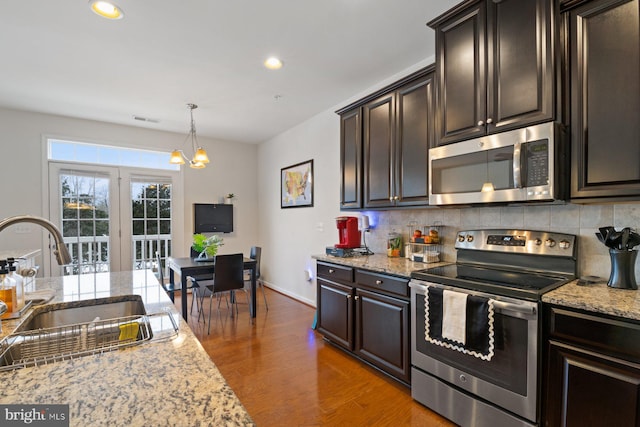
106 9
273 63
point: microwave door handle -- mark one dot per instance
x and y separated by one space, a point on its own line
517 174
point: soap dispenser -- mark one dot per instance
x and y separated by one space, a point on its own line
7 287
12 265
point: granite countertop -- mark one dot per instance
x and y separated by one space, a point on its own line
380 263
598 298
162 382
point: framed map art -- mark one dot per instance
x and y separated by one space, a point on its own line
296 185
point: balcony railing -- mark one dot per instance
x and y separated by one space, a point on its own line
92 254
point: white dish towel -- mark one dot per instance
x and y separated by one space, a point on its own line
454 316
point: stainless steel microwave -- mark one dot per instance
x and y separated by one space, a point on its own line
522 165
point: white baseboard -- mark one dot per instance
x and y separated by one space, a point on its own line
289 294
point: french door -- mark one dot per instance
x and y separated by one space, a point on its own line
112 218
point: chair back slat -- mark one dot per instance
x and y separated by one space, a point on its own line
229 272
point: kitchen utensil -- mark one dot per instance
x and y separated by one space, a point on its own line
613 241
600 237
634 240
606 231
624 239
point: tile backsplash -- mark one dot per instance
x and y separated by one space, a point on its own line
581 220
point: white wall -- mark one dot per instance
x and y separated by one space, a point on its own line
289 237
233 169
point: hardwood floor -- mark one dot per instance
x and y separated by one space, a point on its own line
285 374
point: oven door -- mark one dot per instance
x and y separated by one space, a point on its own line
509 378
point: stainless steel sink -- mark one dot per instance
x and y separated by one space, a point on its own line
67 330
71 313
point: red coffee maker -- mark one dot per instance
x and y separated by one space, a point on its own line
348 232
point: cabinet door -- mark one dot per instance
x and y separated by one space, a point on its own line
379 135
351 160
335 312
605 99
587 390
382 333
461 76
520 79
413 137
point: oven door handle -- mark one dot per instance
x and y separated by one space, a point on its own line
520 310
507 306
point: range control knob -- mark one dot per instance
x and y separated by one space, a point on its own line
469 238
460 238
550 243
537 241
564 244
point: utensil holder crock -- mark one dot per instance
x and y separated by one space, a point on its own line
623 269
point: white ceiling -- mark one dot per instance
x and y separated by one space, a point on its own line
59 57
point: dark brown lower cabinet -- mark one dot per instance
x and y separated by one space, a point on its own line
367 317
593 371
590 389
335 312
382 332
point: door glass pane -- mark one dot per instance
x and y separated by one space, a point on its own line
85 199
150 201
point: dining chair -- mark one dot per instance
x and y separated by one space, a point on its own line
256 253
168 287
228 276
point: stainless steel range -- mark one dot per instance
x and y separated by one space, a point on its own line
476 332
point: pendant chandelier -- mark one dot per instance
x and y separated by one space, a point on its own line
200 158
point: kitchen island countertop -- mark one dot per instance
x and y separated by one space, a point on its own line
380 263
597 298
165 382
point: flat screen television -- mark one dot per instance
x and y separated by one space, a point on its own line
212 218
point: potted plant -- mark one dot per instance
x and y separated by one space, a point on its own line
228 199
207 247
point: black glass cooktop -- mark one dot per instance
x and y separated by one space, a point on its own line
529 285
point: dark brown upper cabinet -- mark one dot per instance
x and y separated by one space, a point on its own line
604 62
351 159
397 133
494 67
384 144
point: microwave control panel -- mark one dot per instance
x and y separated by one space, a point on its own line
537 163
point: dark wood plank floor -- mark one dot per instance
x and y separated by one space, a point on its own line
285 374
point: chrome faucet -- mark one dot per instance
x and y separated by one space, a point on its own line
61 252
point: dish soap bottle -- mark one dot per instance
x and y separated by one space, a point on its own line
19 281
7 287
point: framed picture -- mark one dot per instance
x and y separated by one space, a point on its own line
296 185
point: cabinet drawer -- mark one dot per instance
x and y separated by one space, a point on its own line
335 272
383 283
611 336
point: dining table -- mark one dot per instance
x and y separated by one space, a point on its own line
187 266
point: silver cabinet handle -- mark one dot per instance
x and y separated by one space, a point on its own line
348 296
391 198
378 282
356 297
489 120
331 271
480 123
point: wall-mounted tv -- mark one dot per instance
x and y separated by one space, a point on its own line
212 218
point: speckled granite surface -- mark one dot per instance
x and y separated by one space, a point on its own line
598 298
380 263
168 382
